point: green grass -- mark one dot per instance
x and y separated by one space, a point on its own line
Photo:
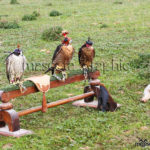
66 127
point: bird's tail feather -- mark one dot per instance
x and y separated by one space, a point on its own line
49 69
85 72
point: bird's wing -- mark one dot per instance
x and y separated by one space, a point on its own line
8 56
80 53
24 63
8 66
93 52
73 52
7 72
71 56
57 51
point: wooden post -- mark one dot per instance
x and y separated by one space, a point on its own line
9 116
54 104
44 103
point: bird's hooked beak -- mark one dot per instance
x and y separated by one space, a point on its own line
70 41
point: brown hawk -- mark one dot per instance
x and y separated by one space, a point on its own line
86 55
61 58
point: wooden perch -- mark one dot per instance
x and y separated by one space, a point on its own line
56 103
9 117
13 91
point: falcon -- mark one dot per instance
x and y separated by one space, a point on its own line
62 57
86 55
15 66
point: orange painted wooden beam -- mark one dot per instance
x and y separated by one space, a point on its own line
7 96
56 103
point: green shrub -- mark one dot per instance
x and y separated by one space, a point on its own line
118 2
52 34
49 4
14 2
35 13
103 26
9 25
29 17
54 13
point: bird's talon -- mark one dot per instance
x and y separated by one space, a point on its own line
63 79
14 83
58 78
23 89
64 74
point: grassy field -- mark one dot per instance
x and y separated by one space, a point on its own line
120 30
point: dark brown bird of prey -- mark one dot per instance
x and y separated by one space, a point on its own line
61 58
15 66
86 55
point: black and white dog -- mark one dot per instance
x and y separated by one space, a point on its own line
105 101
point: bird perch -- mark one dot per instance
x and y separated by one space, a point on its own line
8 116
12 91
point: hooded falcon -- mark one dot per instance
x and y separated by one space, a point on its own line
62 57
86 55
15 66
